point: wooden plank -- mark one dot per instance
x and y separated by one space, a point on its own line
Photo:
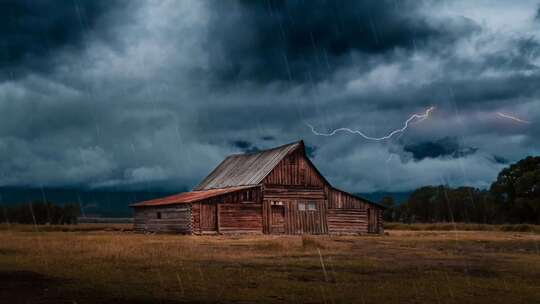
241 218
347 221
293 170
217 217
164 219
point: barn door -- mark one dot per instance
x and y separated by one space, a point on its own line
208 217
277 219
372 221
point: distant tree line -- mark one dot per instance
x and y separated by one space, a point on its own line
39 213
513 198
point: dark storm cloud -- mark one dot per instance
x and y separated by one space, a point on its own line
309 40
311 150
444 147
131 99
33 30
245 146
500 160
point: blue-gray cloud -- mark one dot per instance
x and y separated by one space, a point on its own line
158 94
32 31
245 146
302 41
444 147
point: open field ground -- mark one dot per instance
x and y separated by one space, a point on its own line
110 264
463 227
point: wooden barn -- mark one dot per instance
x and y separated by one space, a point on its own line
275 191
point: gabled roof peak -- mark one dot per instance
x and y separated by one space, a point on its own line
296 143
247 169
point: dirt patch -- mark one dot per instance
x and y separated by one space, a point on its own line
25 286
5 251
31 287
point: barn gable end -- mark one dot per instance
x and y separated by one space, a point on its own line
246 169
295 169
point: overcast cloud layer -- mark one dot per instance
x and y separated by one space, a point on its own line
154 94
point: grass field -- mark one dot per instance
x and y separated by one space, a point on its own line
110 264
463 227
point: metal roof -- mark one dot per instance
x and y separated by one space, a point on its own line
246 169
188 197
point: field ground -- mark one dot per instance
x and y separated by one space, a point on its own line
463 227
110 264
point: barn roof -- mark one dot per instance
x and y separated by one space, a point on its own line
238 172
188 197
246 169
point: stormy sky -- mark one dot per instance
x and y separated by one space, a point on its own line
154 94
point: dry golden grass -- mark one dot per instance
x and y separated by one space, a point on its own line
89 265
463 227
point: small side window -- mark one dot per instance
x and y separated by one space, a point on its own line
158 215
312 206
301 206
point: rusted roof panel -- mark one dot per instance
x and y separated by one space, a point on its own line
189 197
246 169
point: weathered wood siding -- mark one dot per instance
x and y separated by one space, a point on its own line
281 192
175 219
294 180
342 200
295 221
242 217
347 221
214 215
295 169
196 218
380 220
348 214
208 218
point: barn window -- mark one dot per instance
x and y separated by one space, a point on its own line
301 206
158 215
312 206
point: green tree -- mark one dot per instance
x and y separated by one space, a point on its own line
41 213
390 205
421 205
517 189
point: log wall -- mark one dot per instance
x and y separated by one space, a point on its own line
175 219
347 221
220 209
380 221
242 217
348 214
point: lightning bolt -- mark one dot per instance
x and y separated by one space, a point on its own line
513 118
415 117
